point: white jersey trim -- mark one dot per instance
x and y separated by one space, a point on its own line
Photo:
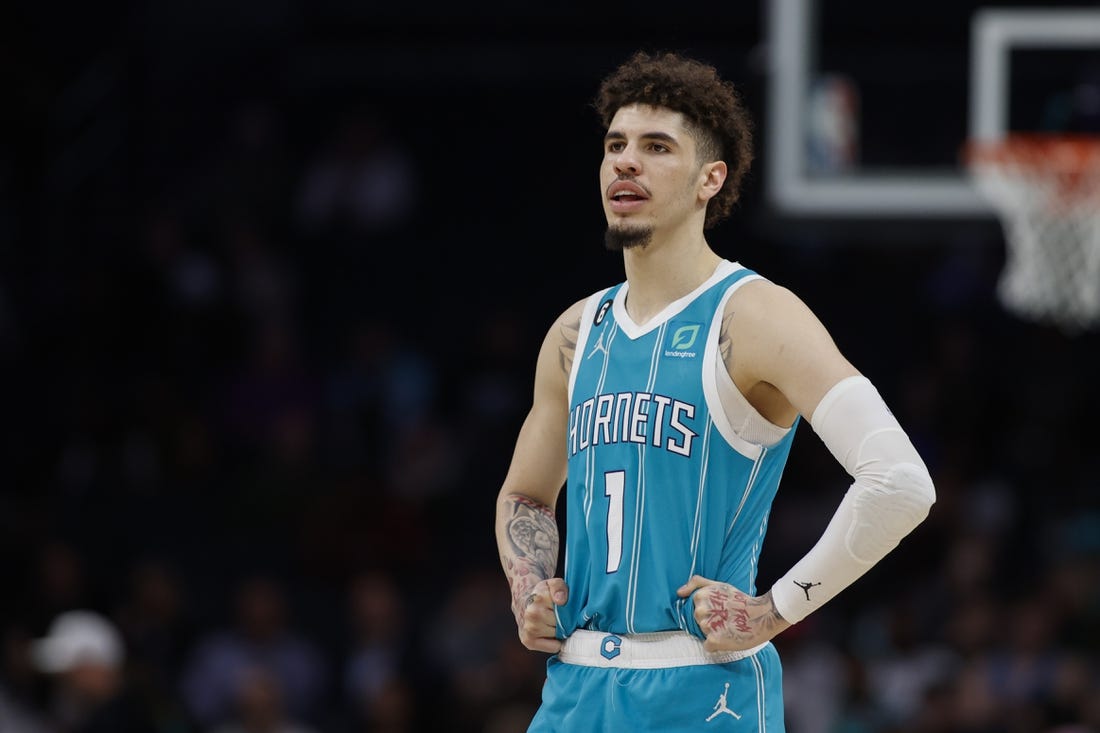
634 331
746 430
587 316
656 650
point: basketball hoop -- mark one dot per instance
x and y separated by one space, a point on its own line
1046 190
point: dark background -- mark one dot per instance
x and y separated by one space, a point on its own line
273 278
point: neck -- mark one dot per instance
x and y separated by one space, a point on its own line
665 270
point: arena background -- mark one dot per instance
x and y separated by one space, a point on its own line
273 276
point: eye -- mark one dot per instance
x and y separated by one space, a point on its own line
659 148
615 146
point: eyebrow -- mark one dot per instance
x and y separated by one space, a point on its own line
662 136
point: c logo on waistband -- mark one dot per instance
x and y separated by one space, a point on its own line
610 646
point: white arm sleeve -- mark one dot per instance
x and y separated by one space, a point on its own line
891 495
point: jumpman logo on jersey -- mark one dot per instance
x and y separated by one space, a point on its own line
721 706
806 587
598 347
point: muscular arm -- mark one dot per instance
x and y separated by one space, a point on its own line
526 528
784 361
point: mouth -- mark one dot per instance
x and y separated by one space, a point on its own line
626 196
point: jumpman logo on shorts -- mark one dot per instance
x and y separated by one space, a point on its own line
721 707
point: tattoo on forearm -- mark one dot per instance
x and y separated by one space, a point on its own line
532 551
772 618
533 534
762 610
568 348
531 504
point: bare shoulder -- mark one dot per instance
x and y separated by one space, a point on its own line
759 312
764 300
770 335
560 344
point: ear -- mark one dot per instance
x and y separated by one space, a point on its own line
712 175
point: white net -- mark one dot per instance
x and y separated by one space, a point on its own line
1047 193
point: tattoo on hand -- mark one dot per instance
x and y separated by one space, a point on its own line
732 614
719 614
717 619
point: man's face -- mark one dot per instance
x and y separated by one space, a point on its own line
650 178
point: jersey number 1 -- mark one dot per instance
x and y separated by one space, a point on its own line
613 483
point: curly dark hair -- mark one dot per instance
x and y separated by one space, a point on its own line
716 117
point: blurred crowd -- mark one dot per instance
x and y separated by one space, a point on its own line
258 417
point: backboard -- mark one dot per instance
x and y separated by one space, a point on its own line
870 104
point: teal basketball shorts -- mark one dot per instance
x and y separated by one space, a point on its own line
662 682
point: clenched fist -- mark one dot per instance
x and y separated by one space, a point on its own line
731 619
534 611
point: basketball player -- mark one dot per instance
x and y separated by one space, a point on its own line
666 405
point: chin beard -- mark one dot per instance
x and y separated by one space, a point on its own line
617 239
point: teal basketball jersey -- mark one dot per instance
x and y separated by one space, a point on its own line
671 472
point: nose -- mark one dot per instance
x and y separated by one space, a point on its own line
626 162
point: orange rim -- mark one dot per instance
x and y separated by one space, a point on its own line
1063 162
1060 151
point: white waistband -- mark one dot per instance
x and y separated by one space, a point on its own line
643 651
